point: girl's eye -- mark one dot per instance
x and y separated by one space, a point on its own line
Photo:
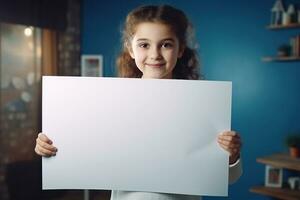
144 45
167 45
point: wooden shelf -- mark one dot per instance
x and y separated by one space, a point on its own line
280 193
281 160
281 59
275 27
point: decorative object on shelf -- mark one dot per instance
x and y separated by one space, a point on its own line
277 13
273 176
290 16
280 20
293 142
92 65
291 12
287 163
284 50
286 19
294 183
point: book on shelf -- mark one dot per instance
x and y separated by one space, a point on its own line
295 46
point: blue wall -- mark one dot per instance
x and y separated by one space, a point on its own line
232 38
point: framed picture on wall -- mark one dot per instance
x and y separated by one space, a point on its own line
273 176
91 65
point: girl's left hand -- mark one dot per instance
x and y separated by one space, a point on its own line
231 142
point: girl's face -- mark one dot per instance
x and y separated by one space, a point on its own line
155 49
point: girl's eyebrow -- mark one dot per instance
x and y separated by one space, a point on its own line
142 39
163 40
170 39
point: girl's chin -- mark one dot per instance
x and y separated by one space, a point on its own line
157 76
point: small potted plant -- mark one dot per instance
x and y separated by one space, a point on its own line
293 142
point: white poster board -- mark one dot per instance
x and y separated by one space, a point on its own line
136 134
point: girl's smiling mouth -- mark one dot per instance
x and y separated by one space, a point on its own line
155 65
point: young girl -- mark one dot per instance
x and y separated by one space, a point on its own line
155 45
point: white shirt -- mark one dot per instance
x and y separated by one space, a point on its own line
235 171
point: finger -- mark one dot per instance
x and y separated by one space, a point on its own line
231 151
45 152
229 139
44 138
229 133
230 144
45 145
40 153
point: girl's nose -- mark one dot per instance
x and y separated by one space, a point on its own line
155 53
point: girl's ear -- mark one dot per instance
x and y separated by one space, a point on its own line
181 51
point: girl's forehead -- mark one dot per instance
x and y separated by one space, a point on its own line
151 29
159 25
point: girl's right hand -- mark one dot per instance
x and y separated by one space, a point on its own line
44 146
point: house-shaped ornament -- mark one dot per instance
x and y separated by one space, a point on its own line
277 13
292 13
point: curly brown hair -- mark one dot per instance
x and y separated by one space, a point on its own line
186 67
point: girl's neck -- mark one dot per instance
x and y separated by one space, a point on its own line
169 76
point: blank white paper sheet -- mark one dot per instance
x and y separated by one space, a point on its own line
136 134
